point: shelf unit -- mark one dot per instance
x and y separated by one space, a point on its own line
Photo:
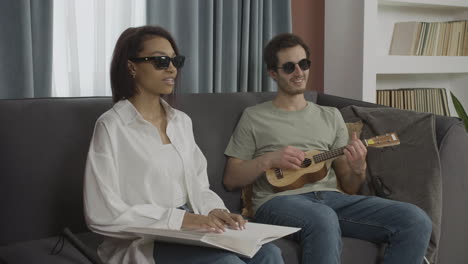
421 64
358 34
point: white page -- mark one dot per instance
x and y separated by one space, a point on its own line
245 242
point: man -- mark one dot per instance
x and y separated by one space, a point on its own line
275 134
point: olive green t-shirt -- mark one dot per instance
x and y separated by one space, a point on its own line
264 128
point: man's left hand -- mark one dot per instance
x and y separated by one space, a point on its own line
355 153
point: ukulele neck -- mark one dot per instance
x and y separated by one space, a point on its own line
328 155
334 153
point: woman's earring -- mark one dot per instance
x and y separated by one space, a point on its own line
133 74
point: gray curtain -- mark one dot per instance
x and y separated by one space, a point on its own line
25 48
223 40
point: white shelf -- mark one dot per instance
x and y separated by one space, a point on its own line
358 34
445 4
421 64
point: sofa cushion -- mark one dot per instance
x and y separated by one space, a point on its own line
42 159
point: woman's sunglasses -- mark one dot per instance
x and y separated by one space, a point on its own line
162 62
289 67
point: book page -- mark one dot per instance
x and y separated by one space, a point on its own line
245 242
253 236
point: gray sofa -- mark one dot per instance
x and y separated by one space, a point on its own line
44 143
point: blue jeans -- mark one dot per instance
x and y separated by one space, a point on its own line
325 216
167 253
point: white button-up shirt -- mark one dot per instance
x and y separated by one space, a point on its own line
129 180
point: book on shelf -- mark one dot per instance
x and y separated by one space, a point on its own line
445 102
465 40
432 100
455 46
430 38
406 38
244 242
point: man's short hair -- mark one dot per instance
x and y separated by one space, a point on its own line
280 42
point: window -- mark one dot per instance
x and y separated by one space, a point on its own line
85 32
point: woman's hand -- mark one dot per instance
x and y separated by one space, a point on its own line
216 221
202 222
234 221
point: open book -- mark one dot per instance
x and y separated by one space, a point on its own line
244 242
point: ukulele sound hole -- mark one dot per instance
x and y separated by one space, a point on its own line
306 163
279 173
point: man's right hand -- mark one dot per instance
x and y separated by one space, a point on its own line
240 173
287 158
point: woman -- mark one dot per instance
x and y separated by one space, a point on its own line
144 168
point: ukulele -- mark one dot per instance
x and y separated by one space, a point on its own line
316 164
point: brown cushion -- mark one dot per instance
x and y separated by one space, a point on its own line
247 207
354 127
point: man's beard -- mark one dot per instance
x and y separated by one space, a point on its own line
292 91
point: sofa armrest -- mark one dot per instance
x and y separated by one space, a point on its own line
453 150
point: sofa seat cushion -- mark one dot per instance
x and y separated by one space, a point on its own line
38 251
354 251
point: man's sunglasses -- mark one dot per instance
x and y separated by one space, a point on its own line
290 67
162 62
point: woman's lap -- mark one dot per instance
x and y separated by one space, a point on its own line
168 253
